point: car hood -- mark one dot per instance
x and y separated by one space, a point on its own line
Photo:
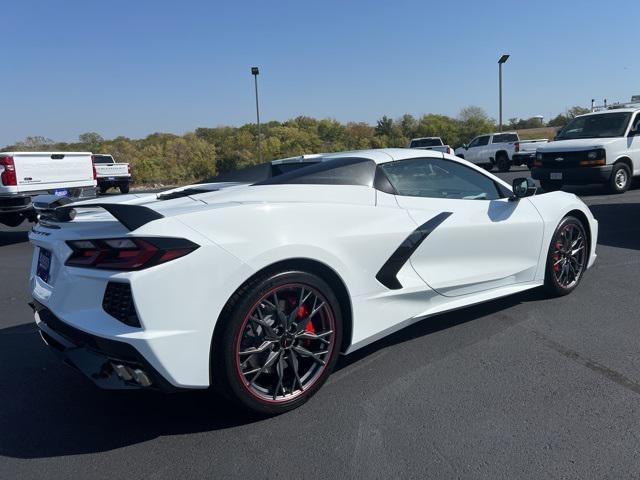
577 144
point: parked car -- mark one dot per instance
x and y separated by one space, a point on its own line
430 143
111 174
24 175
498 149
600 147
255 289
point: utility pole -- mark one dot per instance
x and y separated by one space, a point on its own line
255 72
501 61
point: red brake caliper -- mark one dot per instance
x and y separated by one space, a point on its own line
556 257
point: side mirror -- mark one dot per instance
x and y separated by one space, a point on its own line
634 131
523 187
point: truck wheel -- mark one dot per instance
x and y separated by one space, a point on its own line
103 189
503 163
124 188
12 219
550 185
488 166
620 180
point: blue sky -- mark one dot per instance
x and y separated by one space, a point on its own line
133 67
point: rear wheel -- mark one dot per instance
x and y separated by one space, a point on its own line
503 163
278 341
124 188
12 219
620 180
567 257
550 185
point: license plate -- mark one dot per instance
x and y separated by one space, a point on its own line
111 178
555 176
44 265
61 192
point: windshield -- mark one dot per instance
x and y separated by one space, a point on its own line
426 142
596 126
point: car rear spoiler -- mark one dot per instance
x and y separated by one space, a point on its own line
62 209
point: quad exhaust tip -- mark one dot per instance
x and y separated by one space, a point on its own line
129 374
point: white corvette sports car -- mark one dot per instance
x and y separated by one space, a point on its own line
255 289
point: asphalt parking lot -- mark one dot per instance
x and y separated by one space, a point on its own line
522 387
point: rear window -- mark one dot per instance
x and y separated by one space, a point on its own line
282 168
102 159
426 142
505 138
337 171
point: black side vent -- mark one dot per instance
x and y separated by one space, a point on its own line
118 302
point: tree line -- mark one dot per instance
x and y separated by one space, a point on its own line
165 158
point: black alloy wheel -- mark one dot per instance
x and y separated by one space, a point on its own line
279 342
567 257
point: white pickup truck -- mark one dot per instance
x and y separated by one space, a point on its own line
600 147
501 150
430 143
111 174
24 175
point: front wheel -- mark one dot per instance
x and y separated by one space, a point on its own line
566 258
620 180
278 341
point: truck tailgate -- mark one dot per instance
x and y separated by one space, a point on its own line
112 170
46 171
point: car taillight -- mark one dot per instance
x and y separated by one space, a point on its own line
8 169
95 173
131 253
517 146
129 168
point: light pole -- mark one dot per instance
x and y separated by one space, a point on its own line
255 72
502 60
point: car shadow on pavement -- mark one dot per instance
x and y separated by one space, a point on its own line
618 224
13 237
49 410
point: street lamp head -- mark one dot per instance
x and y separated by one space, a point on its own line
503 58
255 71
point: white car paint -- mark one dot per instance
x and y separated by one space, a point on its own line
351 229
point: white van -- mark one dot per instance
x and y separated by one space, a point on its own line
24 175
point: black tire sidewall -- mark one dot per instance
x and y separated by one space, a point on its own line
224 374
502 161
551 284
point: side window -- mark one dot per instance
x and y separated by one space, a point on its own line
439 178
474 142
482 141
636 122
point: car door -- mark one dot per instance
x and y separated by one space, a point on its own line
472 150
482 150
475 239
633 143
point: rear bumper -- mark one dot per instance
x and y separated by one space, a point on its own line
575 176
523 158
22 202
113 180
110 364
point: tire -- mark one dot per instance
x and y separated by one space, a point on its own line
503 163
12 219
620 180
124 188
550 185
460 156
103 189
564 270
254 382
488 166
